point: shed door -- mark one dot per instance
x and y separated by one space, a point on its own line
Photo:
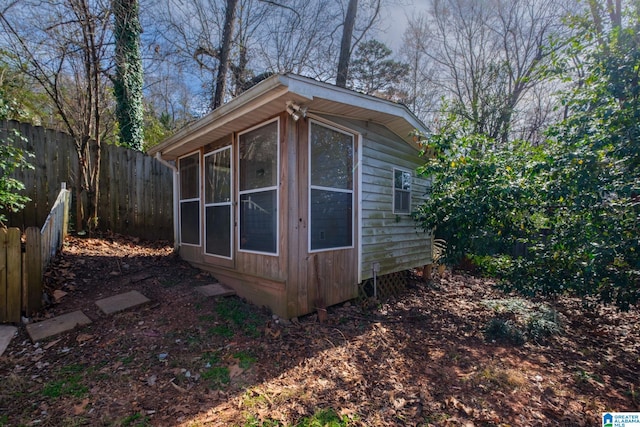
330 194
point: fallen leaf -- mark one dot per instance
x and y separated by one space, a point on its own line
58 295
80 408
83 338
235 370
177 387
272 332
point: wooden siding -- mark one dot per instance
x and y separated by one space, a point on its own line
394 241
22 265
323 278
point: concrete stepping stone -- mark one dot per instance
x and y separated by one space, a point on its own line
215 290
56 325
6 334
121 302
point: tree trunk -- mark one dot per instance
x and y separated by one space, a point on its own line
128 80
345 45
225 49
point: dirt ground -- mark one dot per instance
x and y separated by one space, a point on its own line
427 358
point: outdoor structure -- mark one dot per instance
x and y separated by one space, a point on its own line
296 191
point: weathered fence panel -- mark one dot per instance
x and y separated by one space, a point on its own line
55 228
21 270
135 189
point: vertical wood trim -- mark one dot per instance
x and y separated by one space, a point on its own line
14 274
293 284
307 292
283 198
358 234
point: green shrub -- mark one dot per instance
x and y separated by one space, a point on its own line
518 320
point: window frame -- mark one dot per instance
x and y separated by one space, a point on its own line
275 187
311 187
216 204
395 189
191 200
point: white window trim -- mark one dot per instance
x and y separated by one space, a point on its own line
263 189
198 199
229 203
337 190
393 187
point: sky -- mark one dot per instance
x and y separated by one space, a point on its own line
396 15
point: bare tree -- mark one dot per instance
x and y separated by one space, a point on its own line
488 55
423 96
265 36
298 36
64 47
213 36
187 36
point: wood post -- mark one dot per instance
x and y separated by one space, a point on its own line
14 275
3 275
427 271
33 272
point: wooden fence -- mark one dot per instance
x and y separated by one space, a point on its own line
22 265
135 189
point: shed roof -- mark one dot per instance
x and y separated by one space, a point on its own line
269 98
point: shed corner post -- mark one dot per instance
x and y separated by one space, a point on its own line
176 227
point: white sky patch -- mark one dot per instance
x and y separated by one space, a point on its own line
395 16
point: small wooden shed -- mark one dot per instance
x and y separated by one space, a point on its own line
296 191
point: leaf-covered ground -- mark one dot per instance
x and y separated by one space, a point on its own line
424 358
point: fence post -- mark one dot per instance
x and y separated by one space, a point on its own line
3 274
14 275
33 271
67 206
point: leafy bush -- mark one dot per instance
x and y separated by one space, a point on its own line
11 159
505 331
563 216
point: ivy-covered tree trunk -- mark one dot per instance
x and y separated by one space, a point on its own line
129 74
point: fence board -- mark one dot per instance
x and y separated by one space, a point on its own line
3 275
33 269
14 276
140 187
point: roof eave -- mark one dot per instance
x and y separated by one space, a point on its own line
209 121
314 89
277 86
